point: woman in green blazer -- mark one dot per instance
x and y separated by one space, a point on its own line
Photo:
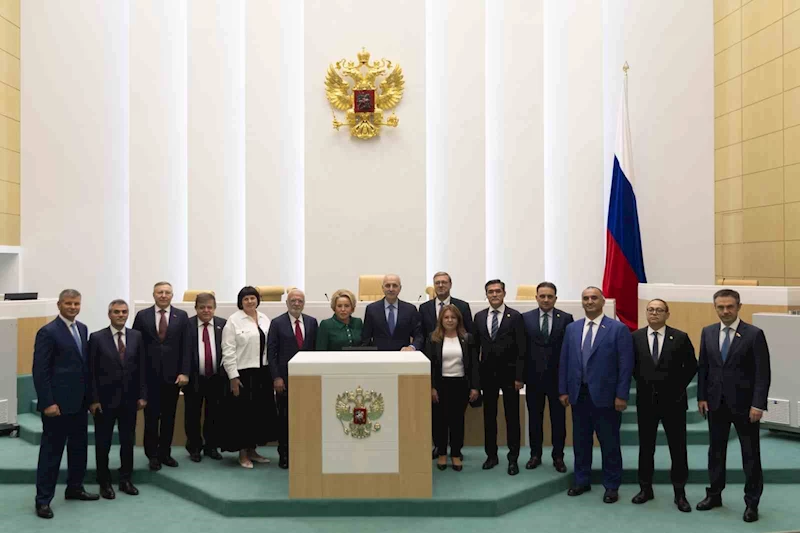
342 329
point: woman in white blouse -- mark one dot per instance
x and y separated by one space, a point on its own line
251 408
455 382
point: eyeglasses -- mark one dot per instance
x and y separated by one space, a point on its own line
656 311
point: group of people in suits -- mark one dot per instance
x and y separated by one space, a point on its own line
235 372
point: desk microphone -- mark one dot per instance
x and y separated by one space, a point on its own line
326 295
420 298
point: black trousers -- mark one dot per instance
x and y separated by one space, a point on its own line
58 432
453 400
674 421
159 419
719 425
543 387
511 408
207 398
282 405
125 419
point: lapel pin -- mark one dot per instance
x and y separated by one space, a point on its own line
558 316
737 334
602 326
670 337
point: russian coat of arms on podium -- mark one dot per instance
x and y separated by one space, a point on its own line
358 412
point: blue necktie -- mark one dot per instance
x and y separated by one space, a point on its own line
441 305
587 348
391 320
77 337
726 344
655 347
495 324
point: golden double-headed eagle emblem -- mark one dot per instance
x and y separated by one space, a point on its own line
358 412
364 102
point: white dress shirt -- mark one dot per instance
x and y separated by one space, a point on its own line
114 332
241 343
294 321
501 312
596 321
731 333
660 332
549 315
67 322
439 303
168 309
201 348
452 358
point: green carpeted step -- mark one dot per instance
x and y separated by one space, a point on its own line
696 433
34 410
30 429
693 416
691 393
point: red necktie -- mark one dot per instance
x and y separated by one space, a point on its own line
298 334
120 347
209 358
162 326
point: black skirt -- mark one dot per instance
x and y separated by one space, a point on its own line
250 419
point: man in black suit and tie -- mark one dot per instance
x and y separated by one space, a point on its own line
500 332
665 365
392 324
61 377
163 329
732 385
207 380
288 334
118 390
545 328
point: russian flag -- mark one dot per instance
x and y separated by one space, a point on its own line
624 262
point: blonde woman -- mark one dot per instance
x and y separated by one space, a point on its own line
342 329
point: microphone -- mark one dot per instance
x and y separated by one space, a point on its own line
326 295
420 298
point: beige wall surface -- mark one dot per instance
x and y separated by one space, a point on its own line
9 122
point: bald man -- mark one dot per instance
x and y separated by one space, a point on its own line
390 323
288 334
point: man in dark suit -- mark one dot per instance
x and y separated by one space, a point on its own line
163 329
500 334
207 379
665 365
118 389
288 334
732 385
392 324
61 377
594 376
544 328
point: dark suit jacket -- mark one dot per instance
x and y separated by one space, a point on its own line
282 344
114 384
469 352
407 331
663 385
502 360
191 344
743 379
165 360
610 365
544 355
427 312
60 372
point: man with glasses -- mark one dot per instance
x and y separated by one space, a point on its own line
665 365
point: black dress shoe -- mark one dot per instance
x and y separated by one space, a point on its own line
458 468
155 464
80 494
610 496
170 462
490 463
559 465
128 488
533 463
513 468
577 491
644 495
213 453
283 462
709 502
750 514
682 503
44 511
195 457
441 466
107 492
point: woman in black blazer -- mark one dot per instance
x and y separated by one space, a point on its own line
455 381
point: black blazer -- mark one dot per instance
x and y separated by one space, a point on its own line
114 384
502 359
544 355
663 385
407 331
282 344
433 350
427 312
165 360
743 379
192 345
60 371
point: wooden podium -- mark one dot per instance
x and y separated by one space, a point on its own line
360 425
